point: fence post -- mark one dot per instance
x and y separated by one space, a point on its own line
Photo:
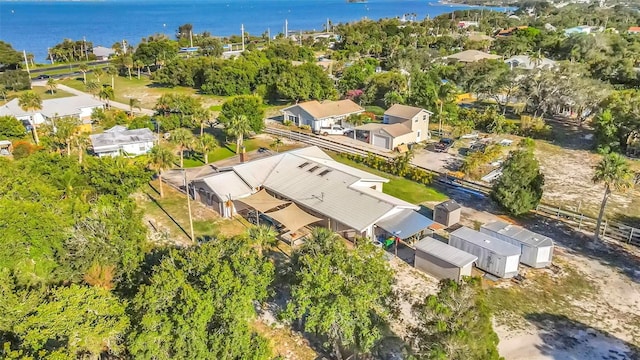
631 235
558 213
604 229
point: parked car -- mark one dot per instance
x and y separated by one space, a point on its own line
444 145
43 77
333 130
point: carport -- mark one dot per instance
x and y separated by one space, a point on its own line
407 225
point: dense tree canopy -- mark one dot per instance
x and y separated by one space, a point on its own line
519 189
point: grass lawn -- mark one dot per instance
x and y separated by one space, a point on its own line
44 93
375 109
171 214
407 190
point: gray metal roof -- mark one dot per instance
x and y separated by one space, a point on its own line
405 224
488 242
445 252
449 205
116 137
519 233
61 107
227 184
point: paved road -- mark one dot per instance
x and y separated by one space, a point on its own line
114 104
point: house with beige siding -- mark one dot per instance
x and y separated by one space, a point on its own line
402 124
325 114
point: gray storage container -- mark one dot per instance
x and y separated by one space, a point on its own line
441 260
536 249
495 256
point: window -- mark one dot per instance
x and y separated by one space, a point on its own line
416 119
424 117
292 118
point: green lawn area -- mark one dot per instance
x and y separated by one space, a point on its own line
44 93
401 188
375 109
171 213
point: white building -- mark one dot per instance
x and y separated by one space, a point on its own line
525 62
120 141
346 200
324 114
79 107
103 53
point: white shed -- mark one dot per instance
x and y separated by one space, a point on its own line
537 250
495 256
443 261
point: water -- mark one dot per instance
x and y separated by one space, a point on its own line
35 25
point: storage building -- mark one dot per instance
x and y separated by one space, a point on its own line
495 256
443 261
536 249
447 213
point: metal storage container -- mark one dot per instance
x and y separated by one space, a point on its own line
441 260
495 256
536 249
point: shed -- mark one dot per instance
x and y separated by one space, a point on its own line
495 256
5 147
443 261
447 213
537 250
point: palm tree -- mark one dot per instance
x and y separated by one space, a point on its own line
139 65
161 159
84 68
536 58
93 87
127 61
112 71
614 172
277 142
200 116
134 104
52 85
262 236
206 143
355 120
98 73
238 127
3 92
80 142
183 138
31 101
106 93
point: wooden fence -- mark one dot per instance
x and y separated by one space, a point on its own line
609 229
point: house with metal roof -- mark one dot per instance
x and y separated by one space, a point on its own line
345 199
80 107
525 62
469 56
443 261
325 114
402 124
537 250
120 141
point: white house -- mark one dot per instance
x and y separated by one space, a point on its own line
79 107
103 53
347 200
525 62
321 114
120 141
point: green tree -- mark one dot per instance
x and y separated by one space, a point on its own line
98 73
134 104
339 295
11 128
238 127
612 171
128 63
183 138
262 236
93 87
248 105
31 101
3 92
83 69
207 292
52 84
65 129
455 324
277 142
106 93
519 189
73 322
205 144
112 71
161 159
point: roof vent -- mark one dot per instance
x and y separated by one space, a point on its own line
325 172
303 164
314 168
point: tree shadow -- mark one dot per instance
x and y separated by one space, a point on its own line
564 338
566 133
168 215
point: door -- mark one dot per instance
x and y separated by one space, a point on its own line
381 141
418 135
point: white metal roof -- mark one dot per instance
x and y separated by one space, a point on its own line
227 184
66 106
113 139
488 242
405 224
519 233
445 252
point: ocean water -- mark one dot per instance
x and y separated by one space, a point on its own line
36 25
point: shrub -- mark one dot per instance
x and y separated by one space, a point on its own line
22 149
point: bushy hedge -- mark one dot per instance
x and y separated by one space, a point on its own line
399 166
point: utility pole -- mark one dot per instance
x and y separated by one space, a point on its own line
328 28
124 47
84 44
268 36
26 63
191 38
300 40
286 28
242 30
186 186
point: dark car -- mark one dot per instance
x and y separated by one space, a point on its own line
43 77
444 145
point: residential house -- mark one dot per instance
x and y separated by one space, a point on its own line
525 62
345 199
103 53
509 31
120 141
402 124
80 107
324 114
634 30
469 56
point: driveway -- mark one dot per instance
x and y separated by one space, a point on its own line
436 161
